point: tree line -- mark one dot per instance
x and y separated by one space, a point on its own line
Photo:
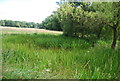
23 24
81 19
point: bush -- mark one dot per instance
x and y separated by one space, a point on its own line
77 22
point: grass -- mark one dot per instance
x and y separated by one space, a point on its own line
44 56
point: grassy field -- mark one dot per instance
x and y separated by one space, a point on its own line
49 56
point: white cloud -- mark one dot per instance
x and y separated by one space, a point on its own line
27 10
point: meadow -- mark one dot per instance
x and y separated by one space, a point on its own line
54 56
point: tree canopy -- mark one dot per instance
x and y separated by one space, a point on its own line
81 19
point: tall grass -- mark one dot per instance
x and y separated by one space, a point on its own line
43 56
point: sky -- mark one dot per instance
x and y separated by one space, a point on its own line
27 10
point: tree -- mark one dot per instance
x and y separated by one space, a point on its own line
110 11
116 21
65 17
51 23
2 23
78 22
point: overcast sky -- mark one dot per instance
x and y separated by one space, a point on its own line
27 10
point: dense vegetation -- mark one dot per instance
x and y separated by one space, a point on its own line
80 19
82 52
51 23
23 24
43 56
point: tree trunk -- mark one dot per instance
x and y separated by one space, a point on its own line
114 37
116 7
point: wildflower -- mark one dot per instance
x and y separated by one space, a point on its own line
47 70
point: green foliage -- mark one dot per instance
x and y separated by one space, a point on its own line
79 19
110 12
84 20
24 24
79 23
86 6
51 23
39 56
